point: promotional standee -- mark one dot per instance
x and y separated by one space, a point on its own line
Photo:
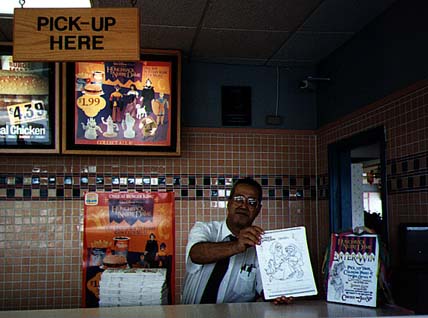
127 230
353 269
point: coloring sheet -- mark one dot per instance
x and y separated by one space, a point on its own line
285 265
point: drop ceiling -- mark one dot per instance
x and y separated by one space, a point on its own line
255 32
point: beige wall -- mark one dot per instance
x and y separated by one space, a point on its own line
405 118
41 225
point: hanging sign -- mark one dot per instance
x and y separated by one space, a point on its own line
69 35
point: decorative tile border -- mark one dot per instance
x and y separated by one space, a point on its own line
73 186
408 174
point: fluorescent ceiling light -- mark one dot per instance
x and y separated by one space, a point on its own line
7 6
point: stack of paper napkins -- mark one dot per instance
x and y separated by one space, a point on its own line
133 287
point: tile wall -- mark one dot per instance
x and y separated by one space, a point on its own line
41 210
405 118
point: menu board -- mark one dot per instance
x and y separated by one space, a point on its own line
27 105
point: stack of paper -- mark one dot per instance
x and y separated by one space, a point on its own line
133 287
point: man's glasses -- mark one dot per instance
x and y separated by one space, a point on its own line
240 199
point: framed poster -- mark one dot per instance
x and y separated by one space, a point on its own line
127 231
123 108
29 104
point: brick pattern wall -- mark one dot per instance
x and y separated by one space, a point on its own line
41 208
405 118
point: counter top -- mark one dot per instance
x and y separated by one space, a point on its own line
300 308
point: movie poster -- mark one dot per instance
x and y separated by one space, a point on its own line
127 230
353 269
123 103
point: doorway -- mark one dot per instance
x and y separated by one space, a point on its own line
357 182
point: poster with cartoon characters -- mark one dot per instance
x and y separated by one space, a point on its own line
124 103
127 230
285 265
353 269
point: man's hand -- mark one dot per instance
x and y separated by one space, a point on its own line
250 236
283 300
211 252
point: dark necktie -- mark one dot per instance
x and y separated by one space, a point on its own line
210 293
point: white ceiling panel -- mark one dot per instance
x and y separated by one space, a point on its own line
344 16
156 37
261 32
244 44
273 15
309 46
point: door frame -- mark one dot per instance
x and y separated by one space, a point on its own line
339 172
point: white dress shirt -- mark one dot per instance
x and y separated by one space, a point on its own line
242 281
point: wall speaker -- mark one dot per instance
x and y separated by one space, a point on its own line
236 105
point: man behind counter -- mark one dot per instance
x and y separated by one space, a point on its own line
227 248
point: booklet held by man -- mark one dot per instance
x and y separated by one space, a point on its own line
285 265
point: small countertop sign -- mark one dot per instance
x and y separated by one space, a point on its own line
353 269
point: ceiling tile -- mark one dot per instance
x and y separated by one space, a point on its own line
266 32
344 16
237 44
277 15
164 12
311 47
171 12
167 38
